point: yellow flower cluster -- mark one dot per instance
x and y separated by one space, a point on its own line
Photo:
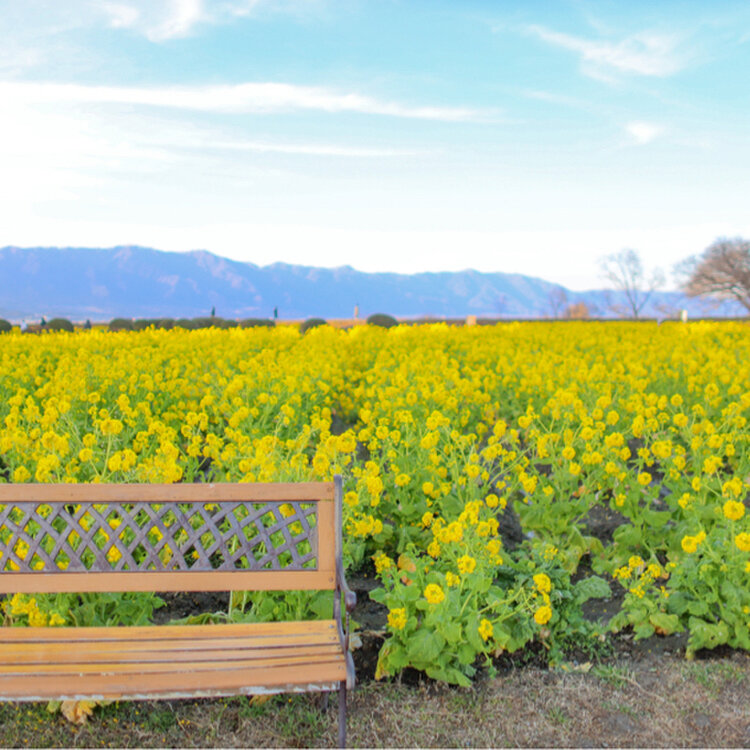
21 605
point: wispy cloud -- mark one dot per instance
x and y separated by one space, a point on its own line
162 20
643 132
645 53
310 149
234 98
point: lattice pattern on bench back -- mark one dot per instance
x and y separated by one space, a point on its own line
152 536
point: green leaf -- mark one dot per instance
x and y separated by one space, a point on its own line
450 675
398 657
424 647
474 639
665 623
627 536
706 635
656 519
595 546
378 595
697 608
643 630
451 631
466 654
677 603
592 587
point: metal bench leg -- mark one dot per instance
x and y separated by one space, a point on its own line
342 715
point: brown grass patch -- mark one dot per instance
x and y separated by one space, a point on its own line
659 702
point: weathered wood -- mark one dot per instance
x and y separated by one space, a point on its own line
121 686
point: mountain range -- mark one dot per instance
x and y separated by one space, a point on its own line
99 284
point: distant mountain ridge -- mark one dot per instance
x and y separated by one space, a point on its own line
139 282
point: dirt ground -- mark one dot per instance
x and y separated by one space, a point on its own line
639 701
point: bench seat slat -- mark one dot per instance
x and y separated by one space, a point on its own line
39 655
158 632
57 653
320 675
166 663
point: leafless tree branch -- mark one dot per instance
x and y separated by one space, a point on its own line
722 271
624 271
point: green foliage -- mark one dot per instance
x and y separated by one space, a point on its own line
60 324
268 606
185 323
446 612
311 323
82 610
5 326
382 320
703 590
256 323
142 323
121 324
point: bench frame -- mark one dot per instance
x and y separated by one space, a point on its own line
246 540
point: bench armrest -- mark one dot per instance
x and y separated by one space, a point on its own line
350 598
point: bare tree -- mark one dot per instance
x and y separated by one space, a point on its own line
577 311
722 271
625 272
557 301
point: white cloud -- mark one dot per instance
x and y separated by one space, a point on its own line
157 20
235 98
52 153
645 54
183 16
643 132
309 149
121 16
162 20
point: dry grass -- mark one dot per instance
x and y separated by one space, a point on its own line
662 702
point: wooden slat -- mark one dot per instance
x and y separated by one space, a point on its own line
327 537
60 653
169 663
158 632
121 686
167 493
212 580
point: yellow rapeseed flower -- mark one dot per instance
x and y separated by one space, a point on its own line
397 618
734 510
742 541
543 615
485 629
433 593
466 564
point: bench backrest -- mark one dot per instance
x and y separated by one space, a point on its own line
173 537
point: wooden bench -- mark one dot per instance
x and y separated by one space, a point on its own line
177 537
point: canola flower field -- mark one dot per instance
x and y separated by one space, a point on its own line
441 434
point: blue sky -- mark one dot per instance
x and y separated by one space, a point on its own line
527 137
